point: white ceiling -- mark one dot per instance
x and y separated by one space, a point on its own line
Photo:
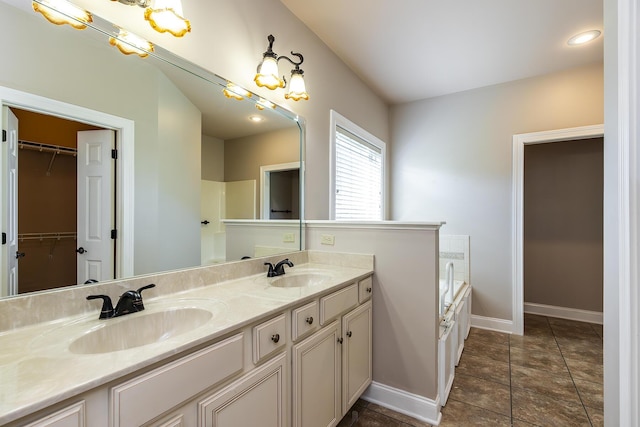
407 50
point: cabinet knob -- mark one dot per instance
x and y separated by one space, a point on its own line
349 334
275 338
309 320
369 289
340 340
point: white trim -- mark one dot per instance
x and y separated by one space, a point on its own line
265 186
261 222
406 403
336 119
564 312
519 141
125 143
379 225
492 324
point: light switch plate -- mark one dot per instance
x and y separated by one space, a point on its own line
288 238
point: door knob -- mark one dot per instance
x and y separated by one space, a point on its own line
205 222
20 255
81 250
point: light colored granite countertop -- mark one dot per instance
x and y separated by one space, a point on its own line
37 369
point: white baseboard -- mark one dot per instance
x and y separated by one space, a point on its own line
564 312
492 324
401 401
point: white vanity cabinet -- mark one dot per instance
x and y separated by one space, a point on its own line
332 367
70 416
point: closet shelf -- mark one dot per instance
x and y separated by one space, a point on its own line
49 148
43 236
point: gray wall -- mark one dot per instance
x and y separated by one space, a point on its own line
451 161
212 161
563 186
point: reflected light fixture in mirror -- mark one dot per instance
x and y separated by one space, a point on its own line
262 103
267 74
130 44
164 16
62 12
236 92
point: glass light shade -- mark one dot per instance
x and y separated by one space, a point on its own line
62 12
236 92
264 103
166 16
129 43
267 75
297 89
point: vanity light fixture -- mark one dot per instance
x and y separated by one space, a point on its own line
262 103
236 92
267 74
129 43
163 15
583 38
62 12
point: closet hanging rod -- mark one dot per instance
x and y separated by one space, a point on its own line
49 148
42 236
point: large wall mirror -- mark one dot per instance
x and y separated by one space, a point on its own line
198 177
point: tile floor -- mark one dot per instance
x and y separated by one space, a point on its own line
551 376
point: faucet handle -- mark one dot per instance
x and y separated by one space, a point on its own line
107 307
139 303
271 271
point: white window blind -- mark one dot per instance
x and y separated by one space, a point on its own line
358 178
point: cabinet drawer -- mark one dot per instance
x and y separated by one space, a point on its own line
337 303
268 337
304 320
149 395
365 288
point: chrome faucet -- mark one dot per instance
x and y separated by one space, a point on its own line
278 270
129 302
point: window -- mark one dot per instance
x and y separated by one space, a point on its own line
358 163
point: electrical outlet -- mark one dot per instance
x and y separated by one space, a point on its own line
328 239
288 238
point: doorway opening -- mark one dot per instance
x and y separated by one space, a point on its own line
519 143
280 191
56 204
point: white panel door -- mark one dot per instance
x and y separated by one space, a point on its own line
10 204
95 205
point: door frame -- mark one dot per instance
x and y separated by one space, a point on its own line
265 184
519 142
124 170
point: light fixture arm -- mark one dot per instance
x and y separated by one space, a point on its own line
141 3
297 64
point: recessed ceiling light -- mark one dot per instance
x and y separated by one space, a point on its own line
583 38
256 118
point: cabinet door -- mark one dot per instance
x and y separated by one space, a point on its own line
356 354
316 379
71 416
257 399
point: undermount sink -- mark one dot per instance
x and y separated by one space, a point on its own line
300 280
139 329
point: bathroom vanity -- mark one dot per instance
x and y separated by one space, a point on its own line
240 349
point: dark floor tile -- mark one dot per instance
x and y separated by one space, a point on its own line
494 351
520 423
557 385
490 337
591 393
482 393
585 370
543 410
460 414
407 420
585 350
551 361
534 343
369 418
596 416
484 367
598 330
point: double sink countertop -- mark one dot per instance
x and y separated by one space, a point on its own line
45 363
